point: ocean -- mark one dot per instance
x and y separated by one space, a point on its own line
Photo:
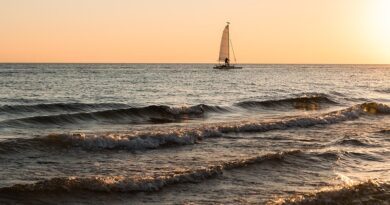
190 134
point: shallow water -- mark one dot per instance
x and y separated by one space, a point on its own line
171 133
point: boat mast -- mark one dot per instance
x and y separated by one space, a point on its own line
228 23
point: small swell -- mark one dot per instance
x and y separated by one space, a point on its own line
352 142
258 159
138 184
154 114
329 155
313 102
369 192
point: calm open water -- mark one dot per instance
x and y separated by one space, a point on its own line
189 134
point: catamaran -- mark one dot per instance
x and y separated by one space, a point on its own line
224 52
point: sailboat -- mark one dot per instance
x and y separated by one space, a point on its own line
224 52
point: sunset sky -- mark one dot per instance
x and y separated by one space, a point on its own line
189 31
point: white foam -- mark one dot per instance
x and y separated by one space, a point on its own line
127 141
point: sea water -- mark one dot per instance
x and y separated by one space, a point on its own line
190 134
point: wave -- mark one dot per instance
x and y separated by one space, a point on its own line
156 182
258 159
353 142
141 140
350 113
313 102
369 192
140 184
112 183
59 114
154 114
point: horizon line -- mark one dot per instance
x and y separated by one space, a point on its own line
195 63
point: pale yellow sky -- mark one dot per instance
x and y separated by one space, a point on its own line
189 31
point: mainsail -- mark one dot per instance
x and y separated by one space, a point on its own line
224 52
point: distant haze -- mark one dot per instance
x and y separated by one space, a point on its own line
189 31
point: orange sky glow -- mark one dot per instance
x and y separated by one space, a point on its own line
189 31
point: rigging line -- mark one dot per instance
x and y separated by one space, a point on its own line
235 60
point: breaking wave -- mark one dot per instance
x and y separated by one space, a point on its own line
154 113
313 102
57 114
140 140
369 192
139 184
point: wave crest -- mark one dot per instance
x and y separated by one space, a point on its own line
154 114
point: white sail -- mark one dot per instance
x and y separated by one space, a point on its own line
224 51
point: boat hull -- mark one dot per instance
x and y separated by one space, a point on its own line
226 67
